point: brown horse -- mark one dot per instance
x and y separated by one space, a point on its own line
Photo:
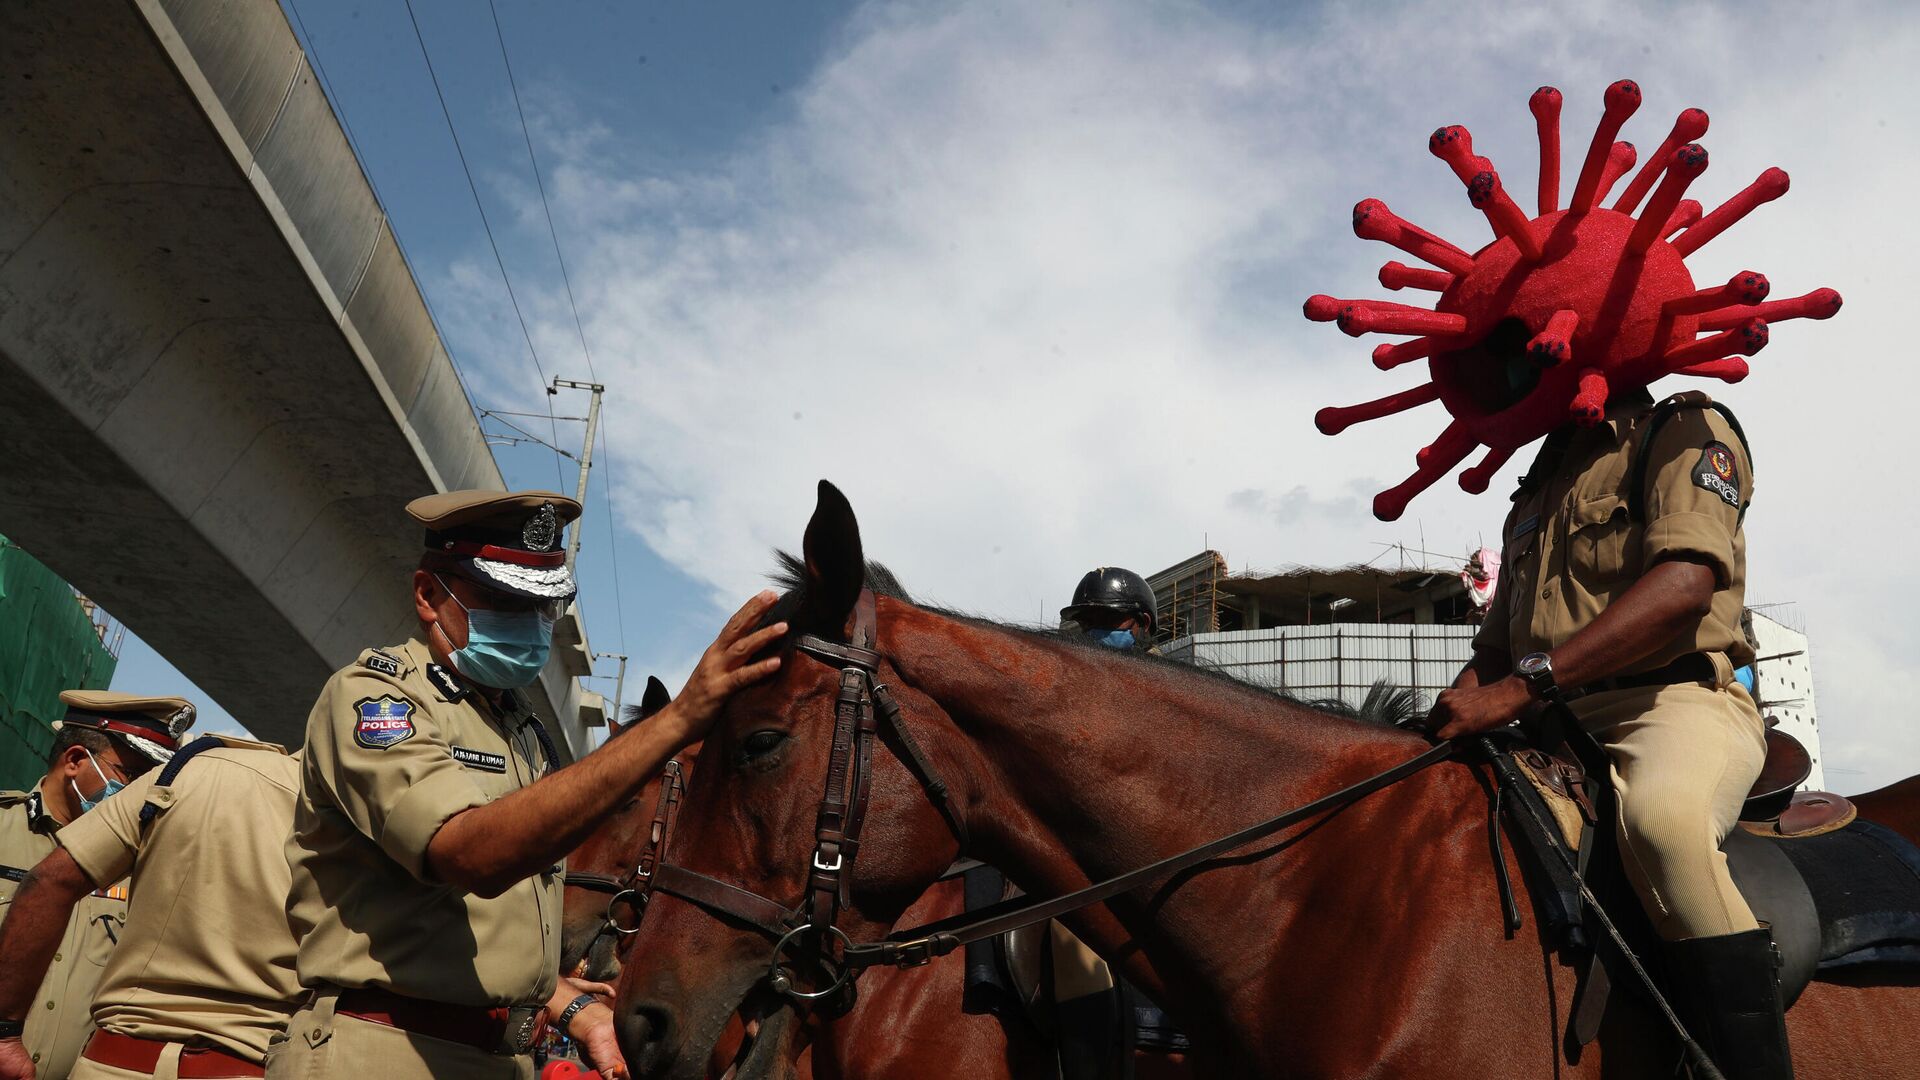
907 1023
1368 942
1897 806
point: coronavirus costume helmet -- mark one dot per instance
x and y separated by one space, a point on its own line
1541 326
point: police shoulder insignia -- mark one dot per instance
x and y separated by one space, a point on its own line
382 722
382 663
1718 472
444 681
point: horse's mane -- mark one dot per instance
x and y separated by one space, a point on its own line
1385 704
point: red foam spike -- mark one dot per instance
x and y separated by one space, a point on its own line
1619 160
1335 419
1454 145
1398 275
1690 125
1730 369
1745 287
1818 304
1749 337
1388 357
1684 215
1771 185
1554 344
1450 449
1589 404
1622 99
1323 308
1373 221
1381 318
1688 163
1545 106
1475 479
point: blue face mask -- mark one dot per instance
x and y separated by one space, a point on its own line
107 787
505 649
1112 639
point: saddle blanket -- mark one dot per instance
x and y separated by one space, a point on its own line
1865 881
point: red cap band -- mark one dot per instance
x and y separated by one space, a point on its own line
507 555
121 727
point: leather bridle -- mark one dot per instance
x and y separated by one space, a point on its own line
863 710
634 883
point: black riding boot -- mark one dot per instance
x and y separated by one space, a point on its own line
1729 995
1087 1032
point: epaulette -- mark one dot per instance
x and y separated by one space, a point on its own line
383 662
171 771
1657 419
14 798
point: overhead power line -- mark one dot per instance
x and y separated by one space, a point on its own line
485 224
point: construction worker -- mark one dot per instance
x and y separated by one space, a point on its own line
105 741
1621 590
433 820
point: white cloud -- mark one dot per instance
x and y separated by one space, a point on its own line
1025 281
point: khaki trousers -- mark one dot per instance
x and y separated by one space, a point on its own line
319 1045
1077 970
1683 758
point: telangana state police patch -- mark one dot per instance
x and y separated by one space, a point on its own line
383 722
1718 473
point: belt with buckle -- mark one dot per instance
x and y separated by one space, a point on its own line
508 1030
143 1056
1693 667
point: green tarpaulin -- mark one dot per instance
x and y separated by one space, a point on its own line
48 643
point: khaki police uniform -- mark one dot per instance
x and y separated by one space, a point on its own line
1684 755
58 1024
397 745
206 960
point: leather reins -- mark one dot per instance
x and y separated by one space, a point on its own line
861 707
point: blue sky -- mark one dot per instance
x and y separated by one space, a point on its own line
1038 267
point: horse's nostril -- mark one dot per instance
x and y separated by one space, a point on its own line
646 1033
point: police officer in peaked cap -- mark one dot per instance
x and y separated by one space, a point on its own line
203 974
105 740
432 820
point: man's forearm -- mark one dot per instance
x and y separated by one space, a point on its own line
1487 666
488 848
1662 605
35 924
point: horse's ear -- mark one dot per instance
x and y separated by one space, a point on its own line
656 697
836 568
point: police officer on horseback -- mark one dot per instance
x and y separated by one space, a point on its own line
1621 592
1112 606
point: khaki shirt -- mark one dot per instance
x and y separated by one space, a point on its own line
207 956
396 745
58 1025
1569 548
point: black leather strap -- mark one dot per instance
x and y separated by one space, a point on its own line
1693 667
572 1010
716 895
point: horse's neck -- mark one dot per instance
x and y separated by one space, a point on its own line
1085 766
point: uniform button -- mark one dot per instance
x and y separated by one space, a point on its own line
49 1004
56 958
1546 593
316 1033
36 1059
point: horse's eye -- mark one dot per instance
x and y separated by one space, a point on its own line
761 743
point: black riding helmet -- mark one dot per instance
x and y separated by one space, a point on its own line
1112 588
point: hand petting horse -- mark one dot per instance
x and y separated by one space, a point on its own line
1364 941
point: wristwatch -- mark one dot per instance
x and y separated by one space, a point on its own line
12 1029
1537 670
573 1009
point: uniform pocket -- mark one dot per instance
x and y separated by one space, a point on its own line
1597 544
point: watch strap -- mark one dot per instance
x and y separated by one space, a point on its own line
12 1029
573 1009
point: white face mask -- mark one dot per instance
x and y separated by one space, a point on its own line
107 786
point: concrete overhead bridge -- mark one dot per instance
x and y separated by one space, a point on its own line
219 383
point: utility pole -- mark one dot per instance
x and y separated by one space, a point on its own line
586 456
620 681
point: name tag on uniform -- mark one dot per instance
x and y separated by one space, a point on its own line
1525 526
480 759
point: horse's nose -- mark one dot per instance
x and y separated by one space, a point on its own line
646 1037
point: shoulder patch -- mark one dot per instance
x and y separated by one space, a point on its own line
383 722
480 759
1718 471
382 663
